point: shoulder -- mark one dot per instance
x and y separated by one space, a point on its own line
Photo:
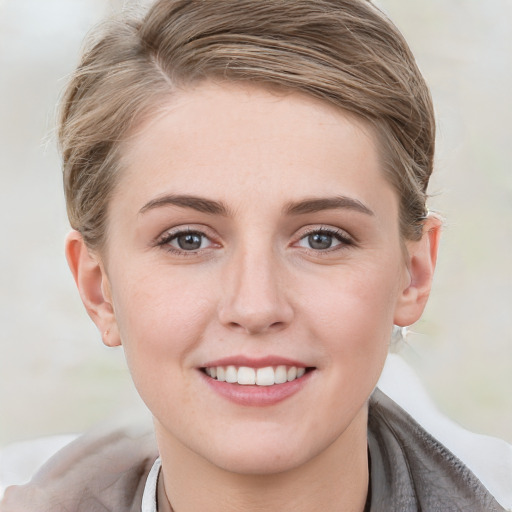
412 470
102 470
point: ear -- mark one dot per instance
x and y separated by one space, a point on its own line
94 287
421 261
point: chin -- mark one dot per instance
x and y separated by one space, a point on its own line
259 461
268 449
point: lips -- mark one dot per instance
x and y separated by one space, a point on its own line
256 382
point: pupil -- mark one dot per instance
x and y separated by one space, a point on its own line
192 241
320 241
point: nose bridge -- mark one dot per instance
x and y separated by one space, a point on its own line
254 296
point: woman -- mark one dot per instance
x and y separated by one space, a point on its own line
247 186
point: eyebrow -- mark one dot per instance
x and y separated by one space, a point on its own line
212 207
326 203
199 204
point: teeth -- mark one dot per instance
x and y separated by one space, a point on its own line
265 376
247 376
281 375
231 374
292 373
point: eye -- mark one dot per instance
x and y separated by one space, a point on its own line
324 239
188 241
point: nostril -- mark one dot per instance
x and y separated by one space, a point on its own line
253 325
254 313
265 327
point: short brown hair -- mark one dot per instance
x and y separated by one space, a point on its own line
345 52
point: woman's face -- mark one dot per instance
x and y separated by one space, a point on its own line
254 235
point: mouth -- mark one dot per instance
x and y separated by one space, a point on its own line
249 376
256 382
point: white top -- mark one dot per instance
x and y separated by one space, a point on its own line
149 498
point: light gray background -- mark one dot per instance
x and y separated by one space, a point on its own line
55 375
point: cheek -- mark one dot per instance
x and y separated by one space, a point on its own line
161 323
161 317
354 300
351 317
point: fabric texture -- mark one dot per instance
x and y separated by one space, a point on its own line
99 472
410 472
489 458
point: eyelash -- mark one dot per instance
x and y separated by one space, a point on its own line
341 236
165 241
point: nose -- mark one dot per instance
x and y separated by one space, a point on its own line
254 294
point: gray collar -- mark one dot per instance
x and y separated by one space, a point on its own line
411 471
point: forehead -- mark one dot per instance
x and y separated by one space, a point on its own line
238 140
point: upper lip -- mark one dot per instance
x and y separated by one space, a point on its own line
255 362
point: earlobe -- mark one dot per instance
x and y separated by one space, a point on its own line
94 287
422 257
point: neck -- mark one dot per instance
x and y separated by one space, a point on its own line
335 479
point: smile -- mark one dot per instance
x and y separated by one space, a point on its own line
247 376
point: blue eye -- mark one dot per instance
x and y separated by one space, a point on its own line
187 241
323 240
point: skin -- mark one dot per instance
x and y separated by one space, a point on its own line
256 287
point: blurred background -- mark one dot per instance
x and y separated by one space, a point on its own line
55 375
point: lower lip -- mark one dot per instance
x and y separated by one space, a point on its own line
257 396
